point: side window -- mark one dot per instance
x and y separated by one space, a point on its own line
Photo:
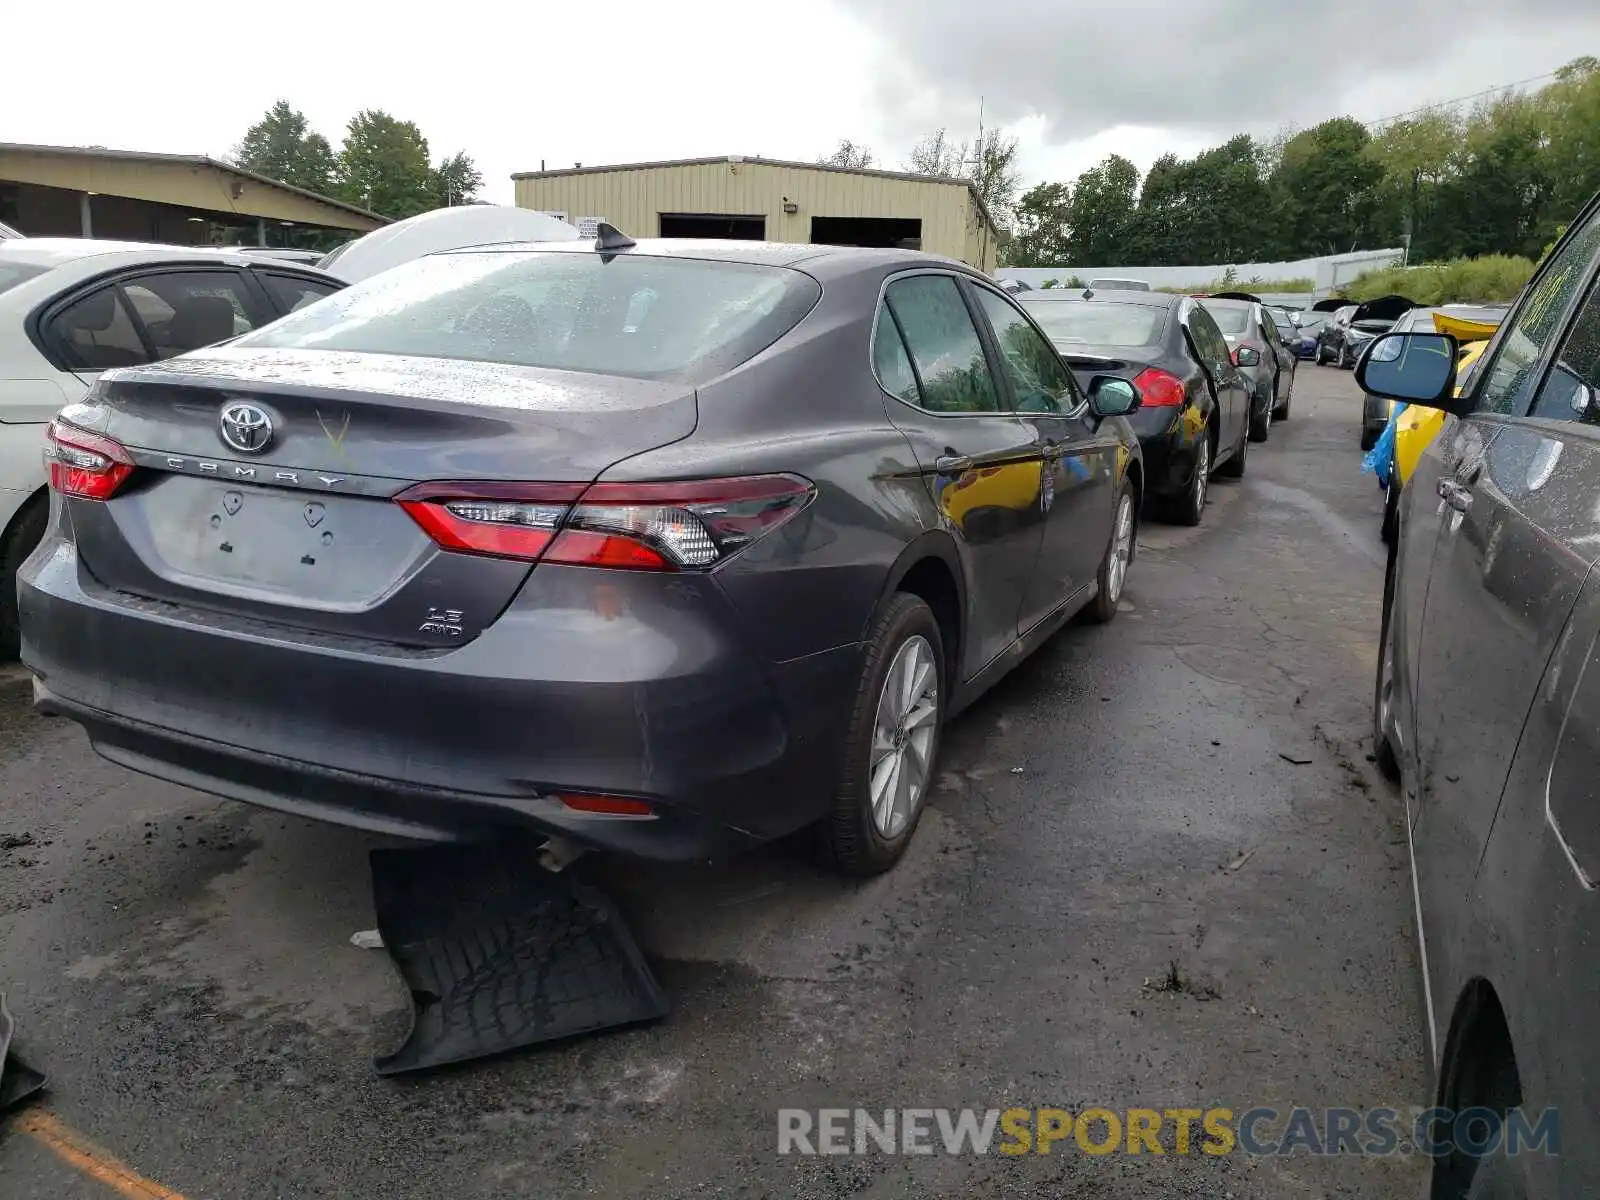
890 363
943 344
1571 392
290 292
1506 382
185 310
96 333
1208 341
1040 381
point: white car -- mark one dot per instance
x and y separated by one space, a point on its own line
71 308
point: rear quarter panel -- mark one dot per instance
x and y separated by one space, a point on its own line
809 405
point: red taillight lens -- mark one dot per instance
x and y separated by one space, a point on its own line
632 526
1233 356
83 464
503 520
1158 388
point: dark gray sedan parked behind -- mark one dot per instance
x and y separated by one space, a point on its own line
668 548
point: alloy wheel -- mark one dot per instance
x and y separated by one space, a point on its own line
902 736
1121 549
1202 473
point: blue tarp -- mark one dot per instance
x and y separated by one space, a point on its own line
1380 459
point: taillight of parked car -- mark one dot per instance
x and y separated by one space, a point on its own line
691 525
85 465
1158 388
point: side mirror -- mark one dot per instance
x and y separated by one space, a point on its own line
1246 356
1110 396
1419 368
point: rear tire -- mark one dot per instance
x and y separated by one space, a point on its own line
21 542
1234 467
1191 506
1261 426
1321 358
855 840
1343 360
1369 438
1113 574
1391 513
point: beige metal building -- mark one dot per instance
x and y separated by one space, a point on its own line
769 200
75 191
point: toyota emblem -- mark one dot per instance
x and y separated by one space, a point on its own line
246 428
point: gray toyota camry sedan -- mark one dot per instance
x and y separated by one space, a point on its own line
668 548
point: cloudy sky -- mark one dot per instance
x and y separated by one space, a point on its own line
517 83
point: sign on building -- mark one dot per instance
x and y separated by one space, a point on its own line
588 226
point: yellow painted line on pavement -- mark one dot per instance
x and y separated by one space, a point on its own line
72 1148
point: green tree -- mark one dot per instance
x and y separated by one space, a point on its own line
1572 115
994 170
1040 236
1498 199
1227 208
282 146
1100 216
456 180
1325 191
854 155
1416 156
383 166
937 154
1159 235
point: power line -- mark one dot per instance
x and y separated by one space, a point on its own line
1503 87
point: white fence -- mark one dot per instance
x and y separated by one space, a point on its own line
1327 272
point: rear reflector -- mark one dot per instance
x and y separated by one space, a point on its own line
607 806
1159 389
83 464
691 525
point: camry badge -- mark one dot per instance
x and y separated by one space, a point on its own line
246 428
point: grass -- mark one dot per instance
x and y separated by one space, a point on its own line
1253 286
1494 278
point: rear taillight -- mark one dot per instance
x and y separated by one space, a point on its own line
634 526
1158 388
83 464
502 520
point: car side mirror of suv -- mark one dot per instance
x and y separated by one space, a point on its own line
1110 396
1419 368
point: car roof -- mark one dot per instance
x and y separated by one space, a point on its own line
778 254
57 252
1057 295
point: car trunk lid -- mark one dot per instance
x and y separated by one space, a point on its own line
304 531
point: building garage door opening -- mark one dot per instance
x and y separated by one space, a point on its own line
882 232
714 225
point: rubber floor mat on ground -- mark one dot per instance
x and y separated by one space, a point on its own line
499 953
18 1080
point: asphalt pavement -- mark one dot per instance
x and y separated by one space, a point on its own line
1159 871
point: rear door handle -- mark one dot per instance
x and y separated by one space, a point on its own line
1455 493
952 464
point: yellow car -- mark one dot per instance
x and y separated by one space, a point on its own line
1417 426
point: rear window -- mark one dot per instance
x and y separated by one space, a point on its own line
12 274
649 318
1232 321
1097 323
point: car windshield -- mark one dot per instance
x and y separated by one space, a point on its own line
1097 323
1312 322
12 274
651 318
1232 321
